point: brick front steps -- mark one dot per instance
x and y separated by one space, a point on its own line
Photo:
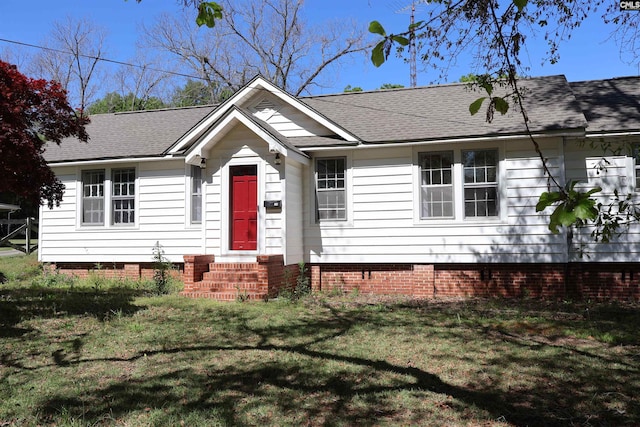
258 280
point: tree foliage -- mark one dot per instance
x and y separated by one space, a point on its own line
386 86
113 102
349 88
32 112
196 92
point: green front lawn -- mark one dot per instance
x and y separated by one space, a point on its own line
73 353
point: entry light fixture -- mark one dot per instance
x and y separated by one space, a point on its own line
278 160
203 163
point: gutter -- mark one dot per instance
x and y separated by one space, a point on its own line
111 161
602 135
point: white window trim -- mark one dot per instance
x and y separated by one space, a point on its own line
187 197
484 184
635 169
108 199
458 186
453 186
81 186
313 218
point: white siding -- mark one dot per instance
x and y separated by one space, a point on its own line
585 164
287 120
274 224
160 202
294 252
383 224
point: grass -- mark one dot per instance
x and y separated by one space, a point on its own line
77 355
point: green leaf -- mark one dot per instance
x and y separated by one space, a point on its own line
486 85
561 216
547 199
415 25
208 12
475 105
585 209
501 105
377 54
376 28
520 4
596 190
400 40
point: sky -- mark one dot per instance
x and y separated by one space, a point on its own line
589 55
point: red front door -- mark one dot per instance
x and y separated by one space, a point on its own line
244 207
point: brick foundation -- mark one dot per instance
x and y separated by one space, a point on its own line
597 281
132 271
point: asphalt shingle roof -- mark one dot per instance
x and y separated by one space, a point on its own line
442 111
418 114
132 134
610 105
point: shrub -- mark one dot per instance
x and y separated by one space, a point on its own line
161 270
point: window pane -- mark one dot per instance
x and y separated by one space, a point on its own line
482 201
446 176
491 174
480 183
123 196
330 189
93 211
196 208
123 211
437 202
93 197
436 196
196 194
468 175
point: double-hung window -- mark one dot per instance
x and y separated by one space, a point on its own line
108 196
436 185
480 171
331 197
196 194
457 184
93 197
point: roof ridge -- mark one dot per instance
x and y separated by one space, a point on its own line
609 79
424 87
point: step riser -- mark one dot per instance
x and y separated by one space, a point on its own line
230 277
249 266
226 296
227 287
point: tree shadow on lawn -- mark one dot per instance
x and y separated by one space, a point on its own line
18 305
306 385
